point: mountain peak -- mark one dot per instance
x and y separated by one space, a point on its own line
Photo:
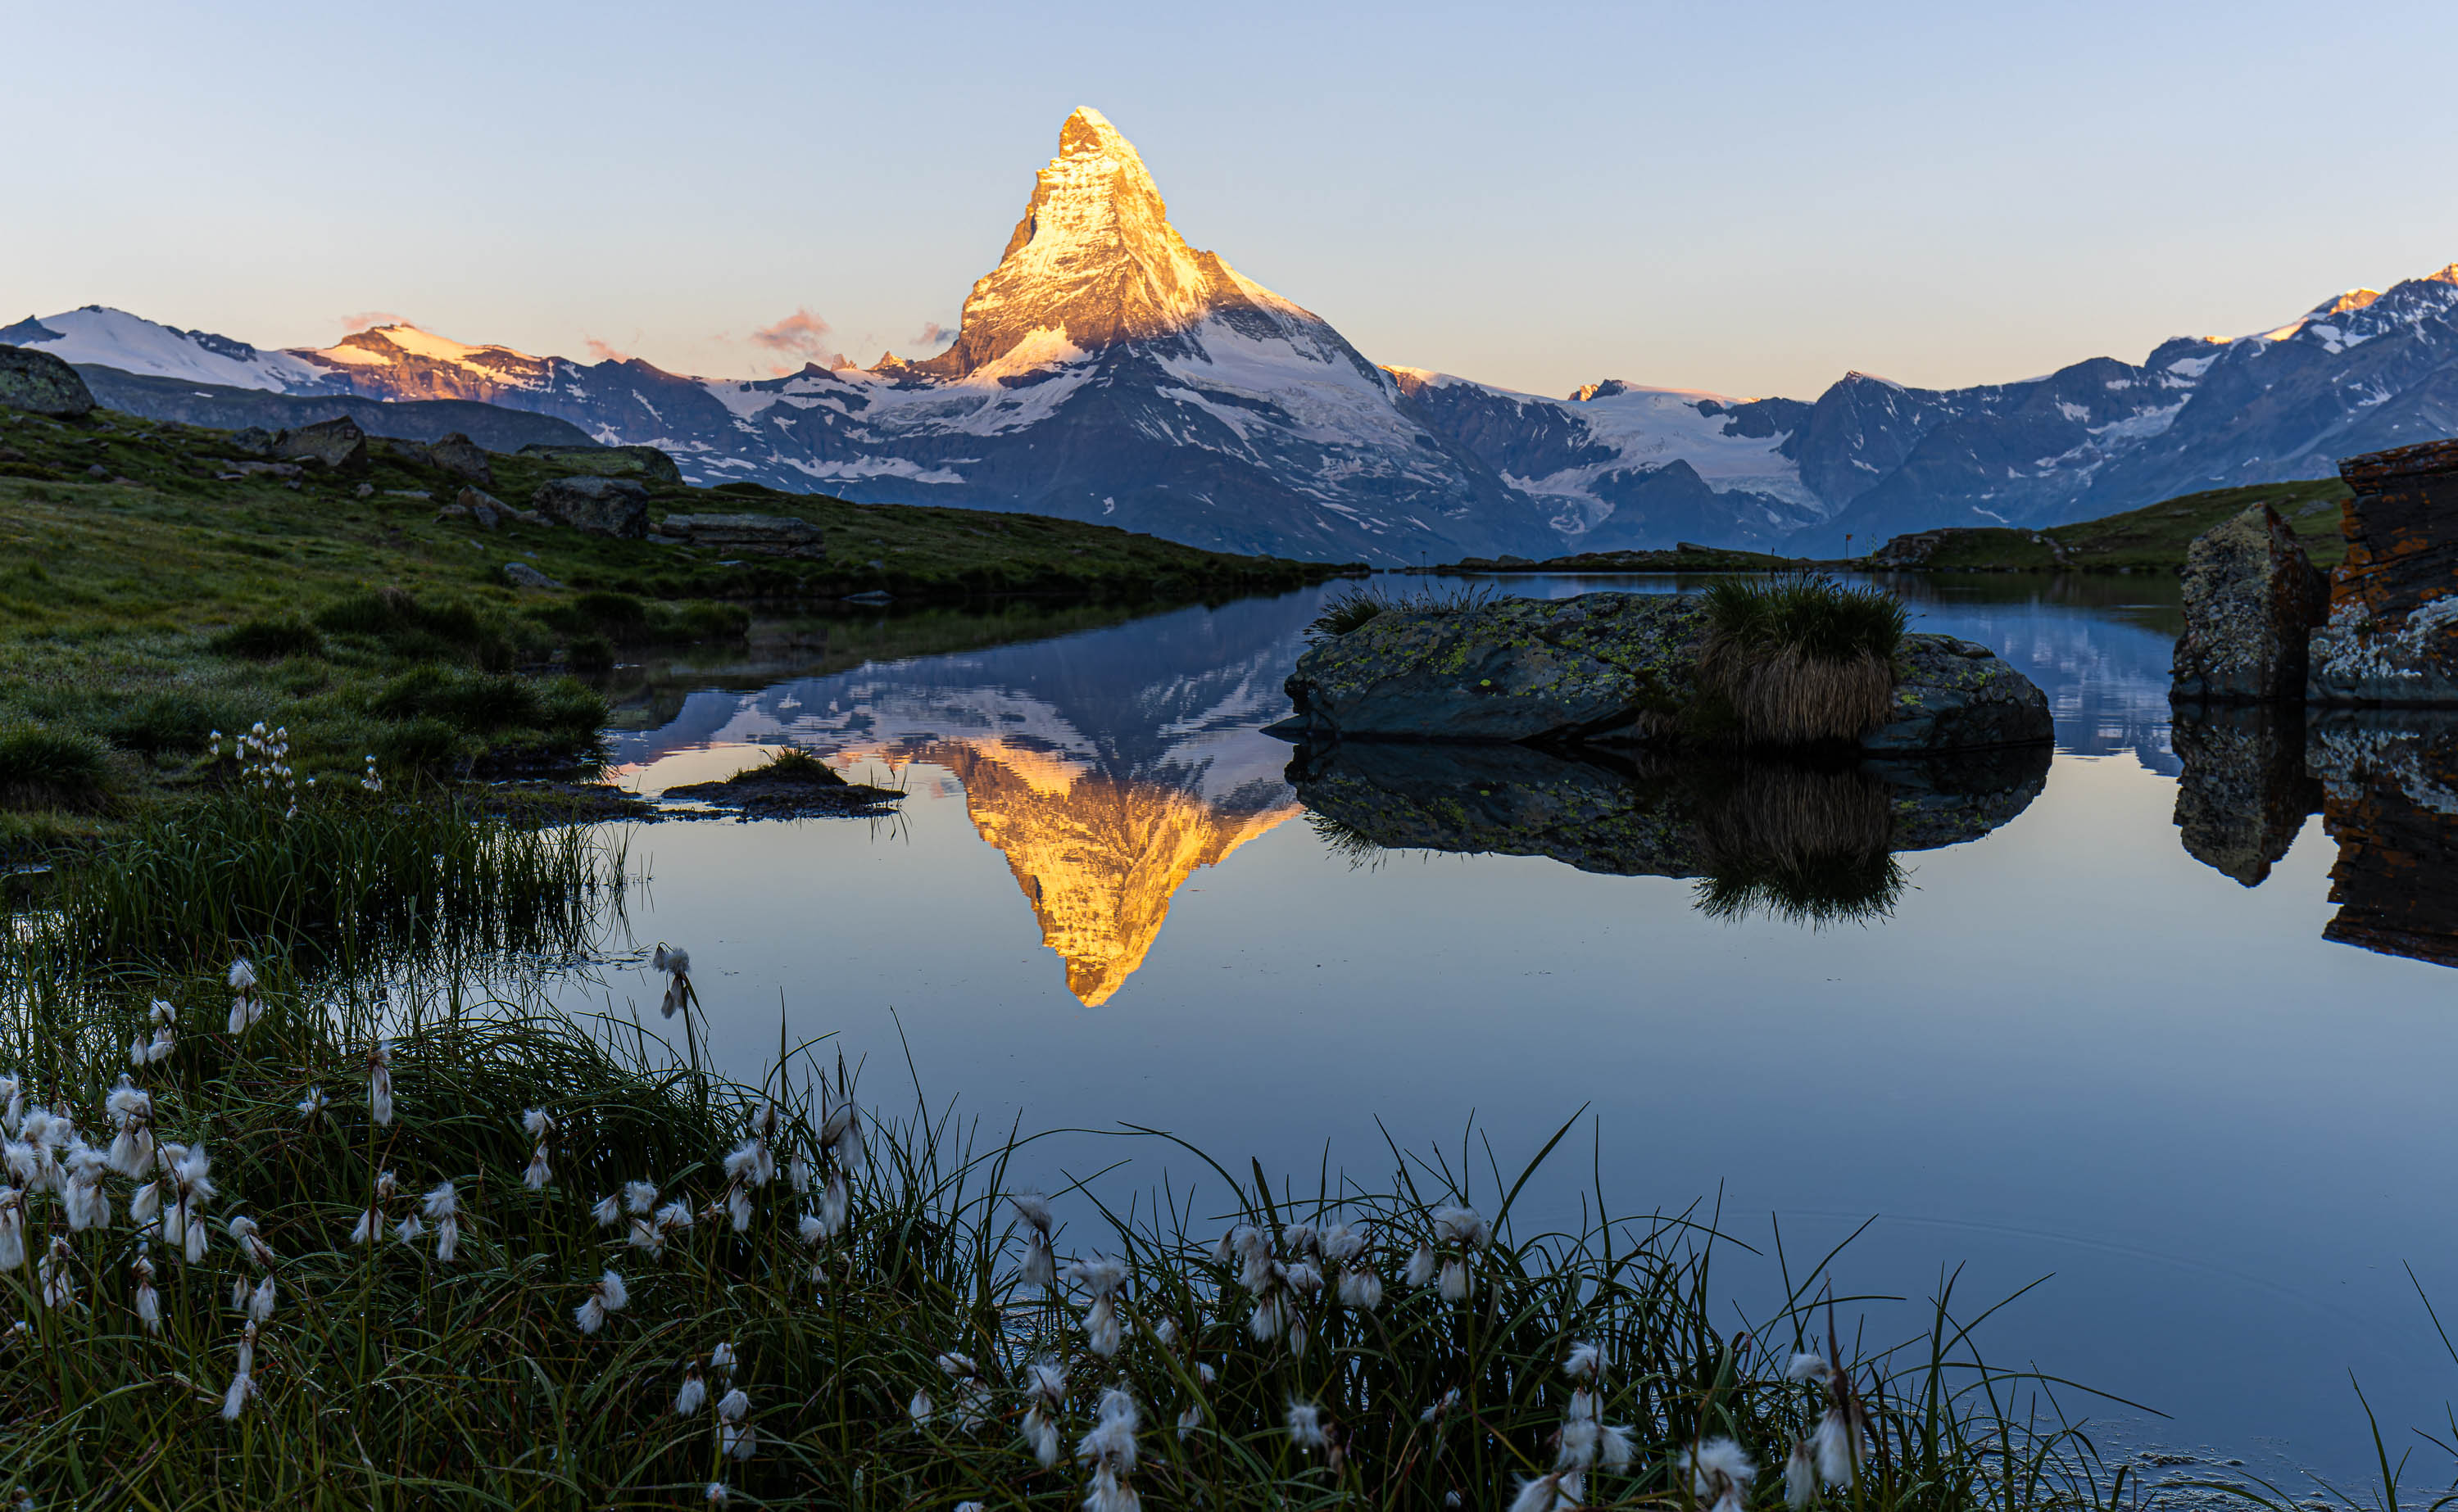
1093 262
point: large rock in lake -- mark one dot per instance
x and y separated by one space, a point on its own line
42 384
615 506
1611 669
2251 596
2392 632
337 444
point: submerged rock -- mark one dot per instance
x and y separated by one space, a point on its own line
2392 632
1609 669
794 788
2389 798
41 384
2251 597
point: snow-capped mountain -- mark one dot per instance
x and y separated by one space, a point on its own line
1105 370
118 338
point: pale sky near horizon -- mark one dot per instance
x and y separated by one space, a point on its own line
1745 198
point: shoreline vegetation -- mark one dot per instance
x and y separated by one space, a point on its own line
300 1210
2152 539
161 583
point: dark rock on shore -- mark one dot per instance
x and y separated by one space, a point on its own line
2393 631
611 462
1609 669
756 534
337 444
2252 597
42 384
616 506
458 455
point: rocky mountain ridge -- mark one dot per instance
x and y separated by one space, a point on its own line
1105 370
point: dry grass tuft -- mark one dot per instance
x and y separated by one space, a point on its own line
1800 661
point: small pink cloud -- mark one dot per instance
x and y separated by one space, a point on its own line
604 353
934 334
801 334
365 318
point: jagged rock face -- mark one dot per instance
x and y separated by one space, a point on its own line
616 506
2389 798
2251 597
1095 262
2392 632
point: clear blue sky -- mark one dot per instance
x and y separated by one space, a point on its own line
1751 197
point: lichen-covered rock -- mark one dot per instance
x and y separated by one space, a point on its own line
610 461
338 442
1954 694
520 575
1610 669
1512 670
2251 597
484 507
616 506
39 383
2392 632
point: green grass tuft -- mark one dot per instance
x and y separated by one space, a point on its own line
270 639
42 766
1798 660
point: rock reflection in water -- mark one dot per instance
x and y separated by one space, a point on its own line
2385 784
1810 844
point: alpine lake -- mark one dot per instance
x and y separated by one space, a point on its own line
2014 1039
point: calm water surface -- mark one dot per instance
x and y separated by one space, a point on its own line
2069 1050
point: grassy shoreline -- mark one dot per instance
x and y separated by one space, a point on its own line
148 598
888 1300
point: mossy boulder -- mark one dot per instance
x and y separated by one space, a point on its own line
1613 670
42 384
645 462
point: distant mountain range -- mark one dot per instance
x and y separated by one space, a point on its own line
1105 370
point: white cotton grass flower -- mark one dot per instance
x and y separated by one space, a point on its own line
1720 1473
607 1212
409 1230
692 1394
1421 1262
148 1301
1587 1440
1361 1289
443 1205
1100 1276
247 1007
718 1494
607 1296
57 1273
1044 1381
920 1409
259 1302
1188 1421
1454 1280
539 1124
1109 1449
1559 1492
380 1082
1442 1407
1837 1445
1040 1267
639 1196
1306 1428
251 1243
311 1104
675 962
86 1205
1807 1366
131 1110
1800 1476
1464 1227
734 1436
1586 1362
242 1385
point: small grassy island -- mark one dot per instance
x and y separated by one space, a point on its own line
162 582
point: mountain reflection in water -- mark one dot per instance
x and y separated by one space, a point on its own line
1110 764
1106 775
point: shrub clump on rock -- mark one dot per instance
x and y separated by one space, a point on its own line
1799 660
